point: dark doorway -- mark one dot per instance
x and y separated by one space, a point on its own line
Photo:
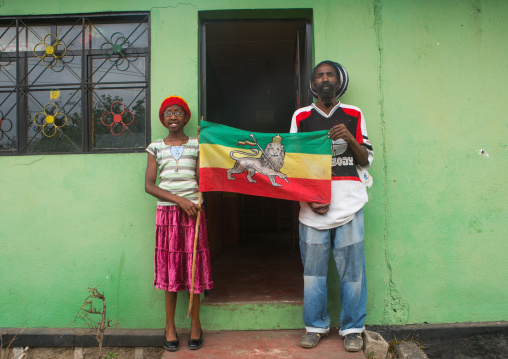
253 77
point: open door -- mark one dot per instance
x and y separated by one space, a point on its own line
254 75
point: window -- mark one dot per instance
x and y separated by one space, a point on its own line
74 84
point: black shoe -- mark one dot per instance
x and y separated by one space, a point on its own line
171 345
195 344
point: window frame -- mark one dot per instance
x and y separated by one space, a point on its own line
86 84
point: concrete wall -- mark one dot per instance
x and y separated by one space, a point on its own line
431 79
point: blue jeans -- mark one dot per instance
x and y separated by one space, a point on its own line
346 243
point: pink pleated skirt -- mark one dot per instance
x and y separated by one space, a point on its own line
174 241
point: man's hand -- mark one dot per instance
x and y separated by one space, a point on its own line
319 208
359 152
340 131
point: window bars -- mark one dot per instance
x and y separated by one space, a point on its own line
74 84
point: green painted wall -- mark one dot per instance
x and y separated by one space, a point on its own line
430 77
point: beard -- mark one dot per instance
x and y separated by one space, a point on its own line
327 94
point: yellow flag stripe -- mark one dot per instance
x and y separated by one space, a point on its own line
296 165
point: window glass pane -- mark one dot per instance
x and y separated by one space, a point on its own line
54 121
7 71
109 36
31 36
118 118
8 123
54 70
71 35
118 69
8 39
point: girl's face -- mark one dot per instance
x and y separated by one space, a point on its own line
175 118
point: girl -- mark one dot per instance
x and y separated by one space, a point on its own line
176 157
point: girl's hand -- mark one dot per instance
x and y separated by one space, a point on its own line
189 207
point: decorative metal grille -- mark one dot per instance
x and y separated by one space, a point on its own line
50 51
5 126
50 117
74 85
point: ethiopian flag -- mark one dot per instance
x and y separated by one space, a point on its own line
294 166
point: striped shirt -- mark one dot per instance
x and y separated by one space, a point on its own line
182 183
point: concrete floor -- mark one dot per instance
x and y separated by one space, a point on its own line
262 344
257 271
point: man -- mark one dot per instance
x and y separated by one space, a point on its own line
337 225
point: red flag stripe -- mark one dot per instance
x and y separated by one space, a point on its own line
298 189
346 178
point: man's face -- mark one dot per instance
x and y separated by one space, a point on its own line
325 81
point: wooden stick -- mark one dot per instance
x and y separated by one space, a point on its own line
191 299
196 233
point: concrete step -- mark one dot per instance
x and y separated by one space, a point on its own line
262 344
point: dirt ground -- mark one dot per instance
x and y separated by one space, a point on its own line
491 346
88 353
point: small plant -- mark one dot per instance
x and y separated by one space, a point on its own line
6 353
88 312
393 344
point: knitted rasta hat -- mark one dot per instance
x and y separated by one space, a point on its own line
341 74
173 100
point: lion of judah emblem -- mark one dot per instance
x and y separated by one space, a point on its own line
269 164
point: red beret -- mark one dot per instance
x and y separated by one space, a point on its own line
173 100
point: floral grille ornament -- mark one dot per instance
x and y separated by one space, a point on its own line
5 125
115 120
4 62
121 51
50 119
50 53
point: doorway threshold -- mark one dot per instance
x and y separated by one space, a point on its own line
259 271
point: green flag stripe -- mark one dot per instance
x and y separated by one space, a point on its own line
316 143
